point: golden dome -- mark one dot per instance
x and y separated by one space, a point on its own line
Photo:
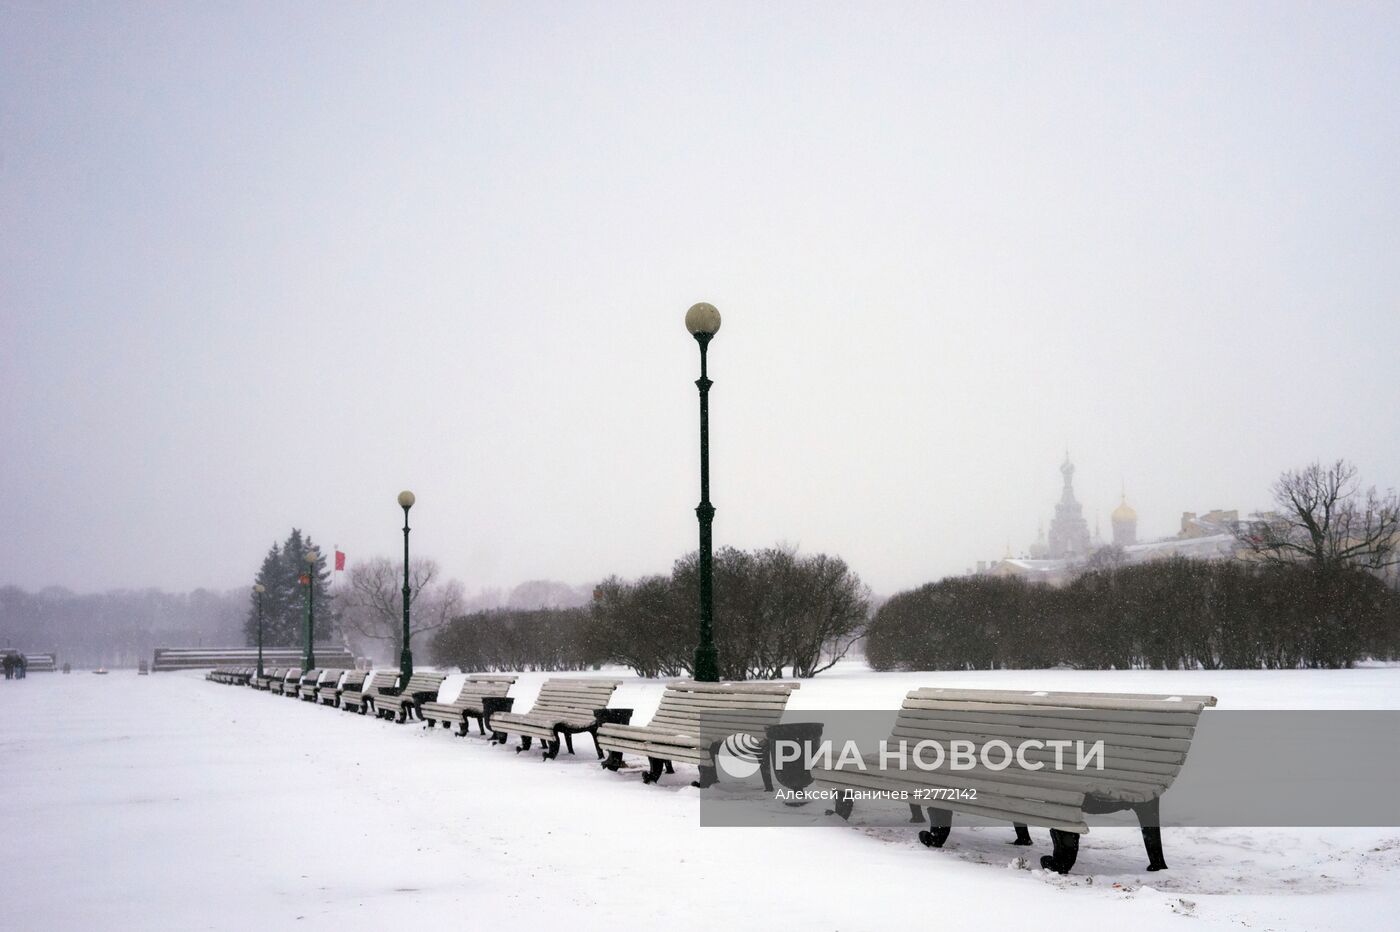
1124 512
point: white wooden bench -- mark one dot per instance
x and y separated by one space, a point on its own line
1145 741
264 682
297 689
310 690
329 693
564 708
289 681
400 703
229 676
357 700
470 703
692 721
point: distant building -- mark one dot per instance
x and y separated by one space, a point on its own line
1124 520
1068 552
1210 524
1069 533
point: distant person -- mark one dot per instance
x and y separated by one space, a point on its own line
9 666
23 666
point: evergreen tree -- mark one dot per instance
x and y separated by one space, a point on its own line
284 601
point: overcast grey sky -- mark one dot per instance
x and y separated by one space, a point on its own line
266 265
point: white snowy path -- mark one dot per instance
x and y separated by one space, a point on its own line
167 802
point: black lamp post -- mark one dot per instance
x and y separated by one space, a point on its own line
702 320
259 588
406 501
308 660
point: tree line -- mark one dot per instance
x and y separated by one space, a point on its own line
1170 614
777 613
118 627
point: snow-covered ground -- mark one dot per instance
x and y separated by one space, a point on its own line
168 802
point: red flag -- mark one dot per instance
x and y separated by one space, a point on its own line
339 560
304 579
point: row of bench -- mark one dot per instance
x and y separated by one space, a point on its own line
1147 738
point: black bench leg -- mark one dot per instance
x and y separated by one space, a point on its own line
614 761
844 806
1065 852
940 824
653 773
1023 834
594 733
551 748
568 743
463 728
670 768
709 776
916 814
1149 818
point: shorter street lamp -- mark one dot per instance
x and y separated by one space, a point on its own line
259 588
308 659
406 501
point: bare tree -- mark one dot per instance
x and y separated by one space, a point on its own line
373 606
1326 520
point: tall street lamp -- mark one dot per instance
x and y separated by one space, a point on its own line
406 501
702 320
259 588
308 659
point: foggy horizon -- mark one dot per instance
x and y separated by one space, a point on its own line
263 268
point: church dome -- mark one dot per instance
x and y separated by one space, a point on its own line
1124 512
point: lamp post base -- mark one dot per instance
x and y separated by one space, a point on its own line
706 664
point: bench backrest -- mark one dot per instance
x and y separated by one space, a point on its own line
354 680
380 679
1145 737
292 675
722 709
580 696
311 677
423 683
330 677
483 686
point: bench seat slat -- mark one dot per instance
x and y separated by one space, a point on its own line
1119 701
985 731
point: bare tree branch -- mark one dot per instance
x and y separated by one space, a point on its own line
1324 519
